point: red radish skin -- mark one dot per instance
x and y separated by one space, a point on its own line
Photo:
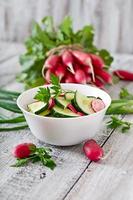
105 76
97 61
99 83
97 105
67 59
23 150
51 103
80 114
48 75
80 76
124 75
92 150
69 78
85 59
52 61
60 71
71 107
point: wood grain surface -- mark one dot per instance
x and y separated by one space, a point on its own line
75 177
113 20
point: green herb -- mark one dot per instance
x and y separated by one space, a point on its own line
14 128
56 85
124 94
41 154
43 95
115 122
13 120
44 37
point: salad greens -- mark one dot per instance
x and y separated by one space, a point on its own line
44 37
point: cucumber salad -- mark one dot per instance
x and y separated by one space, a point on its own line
54 101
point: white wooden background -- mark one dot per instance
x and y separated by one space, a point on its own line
112 19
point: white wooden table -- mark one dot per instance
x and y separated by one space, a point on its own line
75 177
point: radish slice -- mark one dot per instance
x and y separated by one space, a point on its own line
71 107
97 105
80 113
67 59
51 103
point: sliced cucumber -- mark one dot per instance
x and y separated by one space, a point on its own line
69 96
61 102
83 103
45 113
63 113
37 107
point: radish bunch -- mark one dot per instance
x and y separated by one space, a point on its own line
76 66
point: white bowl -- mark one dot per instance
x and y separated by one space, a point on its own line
64 131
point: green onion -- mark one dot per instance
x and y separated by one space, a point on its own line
14 128
13 120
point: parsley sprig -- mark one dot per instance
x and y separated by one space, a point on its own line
44 94
41 154
115 122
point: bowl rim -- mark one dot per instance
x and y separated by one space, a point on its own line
62 118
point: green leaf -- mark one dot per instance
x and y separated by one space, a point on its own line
66 26
27 61
108 59
116 122
124 94
43 94
20 162
48 25
55 80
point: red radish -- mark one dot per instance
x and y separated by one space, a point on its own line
48 75
60 71
23 150
51 103
105 76
67 59
69 78
97 105
71 107
92 150
124 75
50 63
85 59
88 78
97 61
99 83
80 114
80 76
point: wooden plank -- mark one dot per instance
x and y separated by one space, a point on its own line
25 182
9 50
111 178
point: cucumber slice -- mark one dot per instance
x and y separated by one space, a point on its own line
69 96
37 107
61 102
83 103
63 113
45 113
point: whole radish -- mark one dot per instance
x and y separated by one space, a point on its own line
67 59
97 61
85 59
69 78
23 150
99 83
104 75
60 70
80 76
92 150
